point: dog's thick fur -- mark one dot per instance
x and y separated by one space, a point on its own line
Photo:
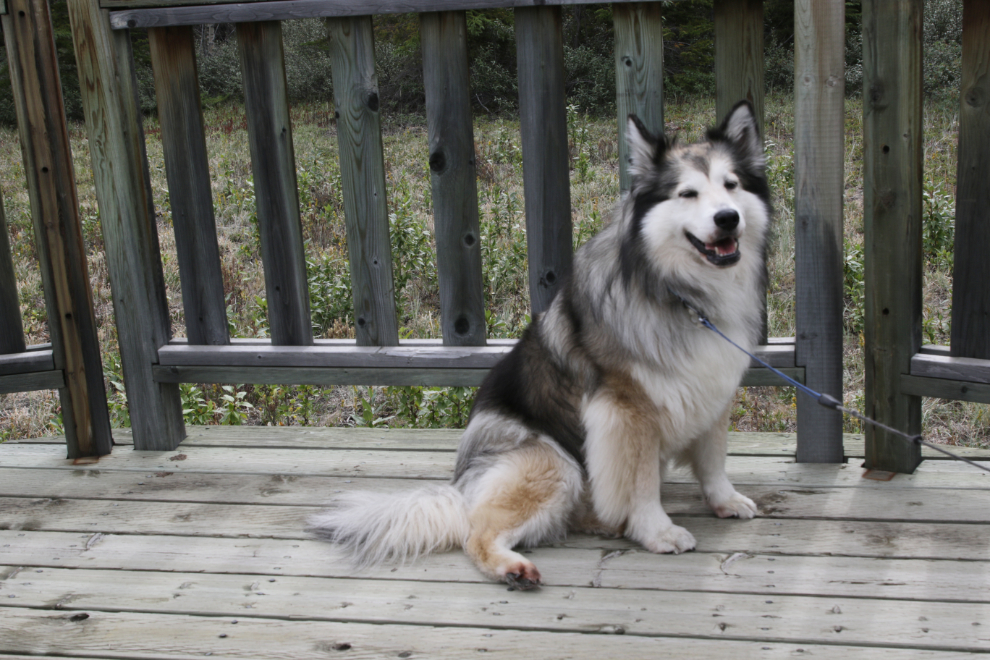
574 428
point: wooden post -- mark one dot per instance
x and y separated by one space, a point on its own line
11 329
362 171
455 188
187 167
123 189
638 72
892 169
819 76
971 272
58 230
543 125
739 56
276 194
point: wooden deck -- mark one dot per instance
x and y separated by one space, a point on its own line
202 552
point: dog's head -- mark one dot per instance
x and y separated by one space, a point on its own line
697 206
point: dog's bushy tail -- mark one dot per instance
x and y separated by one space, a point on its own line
373 528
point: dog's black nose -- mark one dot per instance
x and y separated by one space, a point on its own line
727 219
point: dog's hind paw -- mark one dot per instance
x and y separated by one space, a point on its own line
672 540
523 578
737 506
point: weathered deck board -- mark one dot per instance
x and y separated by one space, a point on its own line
723 572
137 546
750 616
427 464
149 635
282 521
767 536
740 444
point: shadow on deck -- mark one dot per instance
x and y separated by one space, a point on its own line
201 552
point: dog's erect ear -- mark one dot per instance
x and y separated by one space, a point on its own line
645 149
740 129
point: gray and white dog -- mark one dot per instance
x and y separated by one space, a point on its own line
574 428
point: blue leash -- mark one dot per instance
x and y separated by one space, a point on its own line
825 400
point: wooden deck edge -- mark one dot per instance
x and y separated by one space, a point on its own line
741 443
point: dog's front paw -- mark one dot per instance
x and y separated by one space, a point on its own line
673 539
736 505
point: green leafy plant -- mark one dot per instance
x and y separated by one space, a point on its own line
233 408
196 408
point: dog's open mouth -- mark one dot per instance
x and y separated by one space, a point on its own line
723 252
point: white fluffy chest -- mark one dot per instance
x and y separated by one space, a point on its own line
694 386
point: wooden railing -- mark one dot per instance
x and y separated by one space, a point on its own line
154 363
71 363
899 370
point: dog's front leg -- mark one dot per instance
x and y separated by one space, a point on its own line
622 451
707 454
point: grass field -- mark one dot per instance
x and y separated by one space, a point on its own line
594 188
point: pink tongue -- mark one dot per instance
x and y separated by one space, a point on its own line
722 247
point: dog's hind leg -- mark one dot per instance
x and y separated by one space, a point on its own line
526 497
707 457
625 467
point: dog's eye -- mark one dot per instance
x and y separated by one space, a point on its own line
688 194
731 185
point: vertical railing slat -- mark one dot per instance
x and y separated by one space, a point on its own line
120 172
187 168
892 170
971 271
362 171
11 328
276 195
58 230
543 126
819 35
739 56
739 66
455 189
638 72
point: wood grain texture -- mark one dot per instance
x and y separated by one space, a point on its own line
362 171
123 189
443 36
350 355
38 380
11 328
273 166
971 268
818 188
741 444
187 168
886 580
146 635
942 388
952 368
739 56
739 69
323 376
795 618
172 12
34 75
543 128
638 72
26 362
892 170
266 520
